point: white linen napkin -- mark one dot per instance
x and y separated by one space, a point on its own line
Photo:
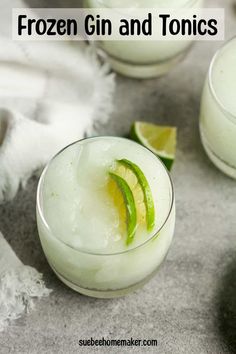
51 94
19 285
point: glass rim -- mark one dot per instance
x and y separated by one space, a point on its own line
83 251
211 84
187 3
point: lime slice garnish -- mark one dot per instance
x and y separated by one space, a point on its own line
146 190
161 140
128 204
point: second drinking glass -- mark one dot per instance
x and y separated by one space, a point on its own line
218 110
144 59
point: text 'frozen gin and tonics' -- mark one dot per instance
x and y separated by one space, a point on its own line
134 26
118 24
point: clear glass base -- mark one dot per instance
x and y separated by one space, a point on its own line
217 161
144 71
103 294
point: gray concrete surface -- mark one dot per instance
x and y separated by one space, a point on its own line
190 305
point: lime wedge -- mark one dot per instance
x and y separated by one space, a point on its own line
129 176
131 214
161 140
147 193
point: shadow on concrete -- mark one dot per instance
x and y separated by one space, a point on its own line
226 316
234 8
18 225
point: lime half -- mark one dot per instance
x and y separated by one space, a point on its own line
161 140
128 203
146 190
